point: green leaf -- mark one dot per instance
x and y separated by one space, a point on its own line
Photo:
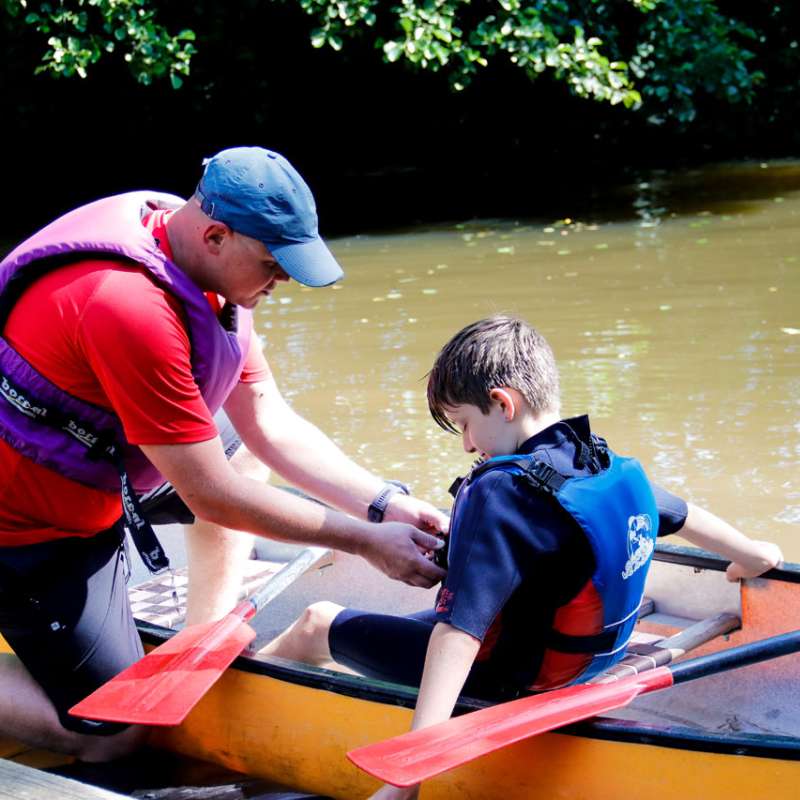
393 51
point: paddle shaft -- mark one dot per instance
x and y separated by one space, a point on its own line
416 756
736 657
281 580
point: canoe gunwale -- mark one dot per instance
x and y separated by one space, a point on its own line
784 748
703 559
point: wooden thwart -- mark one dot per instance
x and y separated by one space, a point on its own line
642 657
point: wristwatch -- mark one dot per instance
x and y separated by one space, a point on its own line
377 508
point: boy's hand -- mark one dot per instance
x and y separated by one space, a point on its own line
767 556
421 514
388 792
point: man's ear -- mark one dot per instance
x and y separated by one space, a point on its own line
506 400
215 235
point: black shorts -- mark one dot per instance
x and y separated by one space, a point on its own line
64 605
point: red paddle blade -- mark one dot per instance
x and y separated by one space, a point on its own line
164 686
413 757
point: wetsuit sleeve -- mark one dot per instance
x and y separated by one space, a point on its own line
493 548
672 511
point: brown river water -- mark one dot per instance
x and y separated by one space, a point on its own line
673 310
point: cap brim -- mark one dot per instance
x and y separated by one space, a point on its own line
310 263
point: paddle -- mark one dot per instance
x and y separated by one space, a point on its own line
413 757
164 686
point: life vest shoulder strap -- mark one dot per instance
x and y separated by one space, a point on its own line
535 472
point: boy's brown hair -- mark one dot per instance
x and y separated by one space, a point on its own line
491 353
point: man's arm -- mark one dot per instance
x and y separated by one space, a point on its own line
450 656
749 557
307 458
213 491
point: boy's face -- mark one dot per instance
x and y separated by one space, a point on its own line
491 434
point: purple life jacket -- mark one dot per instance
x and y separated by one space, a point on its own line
73 437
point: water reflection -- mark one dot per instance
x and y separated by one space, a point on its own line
675 324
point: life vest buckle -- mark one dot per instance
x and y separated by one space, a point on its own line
542 476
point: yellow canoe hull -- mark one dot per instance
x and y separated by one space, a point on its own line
297 735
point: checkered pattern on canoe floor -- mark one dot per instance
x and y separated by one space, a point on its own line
162 600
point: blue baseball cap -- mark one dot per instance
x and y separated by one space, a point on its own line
259 194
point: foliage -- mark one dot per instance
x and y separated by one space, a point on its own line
667 57
81 31
688 49
464 37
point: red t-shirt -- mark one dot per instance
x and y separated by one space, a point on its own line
106 333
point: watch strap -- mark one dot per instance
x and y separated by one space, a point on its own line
377 508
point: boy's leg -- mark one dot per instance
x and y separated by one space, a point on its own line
376 645
64 610
382 646
215 555
306 639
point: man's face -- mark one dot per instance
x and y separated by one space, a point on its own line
247 271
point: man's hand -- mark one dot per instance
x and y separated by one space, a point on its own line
398 550
766 556
410 509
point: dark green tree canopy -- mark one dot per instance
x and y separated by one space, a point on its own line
658 57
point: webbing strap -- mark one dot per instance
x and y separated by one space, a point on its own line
99 445
592 643
541 475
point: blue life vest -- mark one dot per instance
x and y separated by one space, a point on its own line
616 509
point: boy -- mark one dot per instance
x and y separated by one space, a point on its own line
551 538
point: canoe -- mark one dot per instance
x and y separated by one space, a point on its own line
735 734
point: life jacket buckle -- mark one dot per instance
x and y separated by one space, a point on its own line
455 486
542 476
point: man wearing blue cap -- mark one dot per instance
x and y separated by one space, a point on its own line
127 359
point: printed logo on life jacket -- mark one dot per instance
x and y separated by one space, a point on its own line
19 401
129 507
640 543
81 434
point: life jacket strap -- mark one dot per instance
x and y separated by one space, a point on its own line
591 643
228 317
102 445
455 486
541 476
